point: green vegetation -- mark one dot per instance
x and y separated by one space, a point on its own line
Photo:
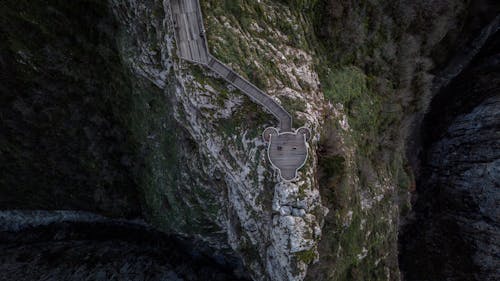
219 85
350 87
354 54
165 159
293 106
334 169
131 119
307 256
227 44
250 117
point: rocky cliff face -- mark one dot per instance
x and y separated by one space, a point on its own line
453 233
100 115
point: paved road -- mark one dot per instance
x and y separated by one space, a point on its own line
192 46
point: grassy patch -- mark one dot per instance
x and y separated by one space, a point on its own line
293 106
307 256
253 60
351 87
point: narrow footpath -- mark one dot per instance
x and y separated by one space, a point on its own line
287 148
192 46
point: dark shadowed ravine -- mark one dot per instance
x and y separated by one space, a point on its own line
454 232
82 246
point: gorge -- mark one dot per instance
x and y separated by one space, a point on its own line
120 162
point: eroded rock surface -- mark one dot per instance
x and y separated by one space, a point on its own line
456 237
453 232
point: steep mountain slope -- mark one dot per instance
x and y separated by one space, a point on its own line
100 114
